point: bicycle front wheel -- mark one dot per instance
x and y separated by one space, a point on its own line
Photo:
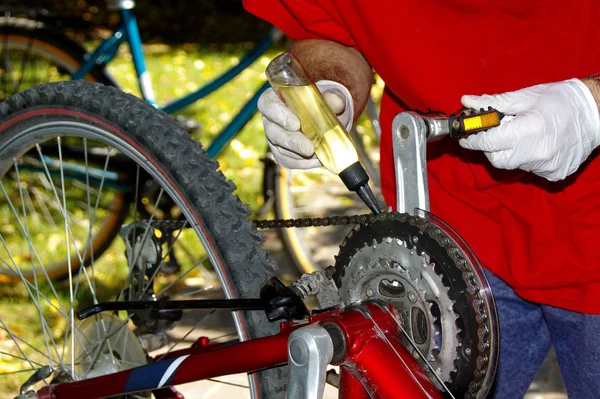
204 231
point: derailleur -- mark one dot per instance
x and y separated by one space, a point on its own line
144 252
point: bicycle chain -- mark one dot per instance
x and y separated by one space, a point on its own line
434 231
169 224
315 222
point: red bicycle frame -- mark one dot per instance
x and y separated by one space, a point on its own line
374 364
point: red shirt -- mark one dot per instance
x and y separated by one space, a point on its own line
541 237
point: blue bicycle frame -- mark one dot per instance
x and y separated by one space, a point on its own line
128 31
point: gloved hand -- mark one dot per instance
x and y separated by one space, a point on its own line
290 147
554 129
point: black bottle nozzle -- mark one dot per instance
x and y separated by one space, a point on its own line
356 179
365 193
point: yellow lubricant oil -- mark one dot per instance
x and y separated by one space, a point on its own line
332 144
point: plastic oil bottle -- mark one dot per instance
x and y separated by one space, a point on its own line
333 146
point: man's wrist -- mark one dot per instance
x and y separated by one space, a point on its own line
593 94
593 84
327 60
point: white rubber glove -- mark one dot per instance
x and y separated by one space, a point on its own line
554 129
290 147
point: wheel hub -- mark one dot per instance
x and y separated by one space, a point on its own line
103 345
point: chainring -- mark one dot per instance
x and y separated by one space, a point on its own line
422 269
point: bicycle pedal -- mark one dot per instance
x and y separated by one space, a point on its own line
190 125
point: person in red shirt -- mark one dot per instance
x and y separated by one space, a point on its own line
525 195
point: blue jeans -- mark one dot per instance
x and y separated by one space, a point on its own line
528 330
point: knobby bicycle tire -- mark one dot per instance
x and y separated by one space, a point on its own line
168 152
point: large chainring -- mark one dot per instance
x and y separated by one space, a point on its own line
425 271
392 271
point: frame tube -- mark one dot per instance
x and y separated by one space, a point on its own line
212 361
205 90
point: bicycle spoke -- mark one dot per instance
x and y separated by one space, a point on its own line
68 230
88 199
28 287
15 372
29 203
17 338
91 224
135 212
12 336
98 347
192 258
40 200
20 358
137 191
97 204
162 261
89 243
187 294
62 209
45 328
210 313
141 245
223 336
147 229
55 205
71 298
34 256
181 276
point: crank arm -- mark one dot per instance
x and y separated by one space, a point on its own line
310 349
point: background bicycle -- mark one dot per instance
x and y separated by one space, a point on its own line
33 54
